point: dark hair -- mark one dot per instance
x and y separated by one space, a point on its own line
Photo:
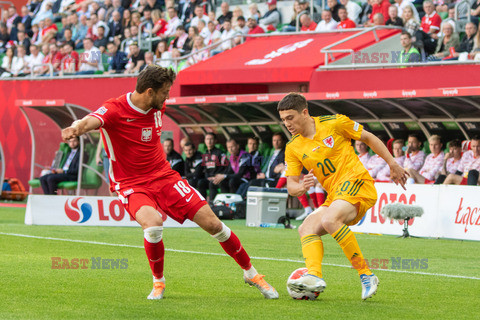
279 134
154 77
232 140
168 139
400 141
227 20
180 27
455 143
211 134
475 137
406 33
89 39
293 101
189 144
241 18
254 138
415 135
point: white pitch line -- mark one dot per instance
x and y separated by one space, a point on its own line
225 255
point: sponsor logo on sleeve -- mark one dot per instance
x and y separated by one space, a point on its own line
356 126
101 111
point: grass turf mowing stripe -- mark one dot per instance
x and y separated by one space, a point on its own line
223 254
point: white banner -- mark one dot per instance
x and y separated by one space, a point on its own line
84 211
450 211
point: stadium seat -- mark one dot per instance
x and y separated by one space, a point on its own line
65 149
90 179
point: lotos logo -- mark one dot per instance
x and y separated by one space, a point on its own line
75 214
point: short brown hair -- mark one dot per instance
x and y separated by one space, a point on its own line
154 77
293 101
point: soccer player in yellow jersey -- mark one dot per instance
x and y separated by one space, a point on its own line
323 146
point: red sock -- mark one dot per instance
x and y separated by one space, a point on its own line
234 249
155 254
320 198
313 196
304 201
281 182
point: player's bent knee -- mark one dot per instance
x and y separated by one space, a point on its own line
153 234
224 234
207 220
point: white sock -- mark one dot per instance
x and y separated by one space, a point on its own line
250 273
159 280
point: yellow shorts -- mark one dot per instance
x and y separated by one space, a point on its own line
361 193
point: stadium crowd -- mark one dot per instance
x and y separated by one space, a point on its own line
229 169
101 36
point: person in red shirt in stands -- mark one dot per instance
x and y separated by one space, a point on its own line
431 21
70 60
50 30
379 6
253 27
344 23
307 23
54 57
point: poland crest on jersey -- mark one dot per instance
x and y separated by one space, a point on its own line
146 134
329 142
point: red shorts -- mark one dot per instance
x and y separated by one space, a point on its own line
464 182
171 195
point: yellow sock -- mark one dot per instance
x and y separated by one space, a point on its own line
347 241
312 248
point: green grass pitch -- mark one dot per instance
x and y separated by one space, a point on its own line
204 284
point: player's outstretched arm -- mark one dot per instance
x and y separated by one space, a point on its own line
296 188
397 173
80 127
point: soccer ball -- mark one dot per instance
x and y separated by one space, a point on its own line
305 295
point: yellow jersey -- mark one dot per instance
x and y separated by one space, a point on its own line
330 153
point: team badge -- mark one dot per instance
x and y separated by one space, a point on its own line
146 134
329 142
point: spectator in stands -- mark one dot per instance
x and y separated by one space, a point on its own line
212 35
192 34
226 38
253 27
22 40
11 17
384 174
475 11
378 19
445 43
213 162
180 41
126 19
433 163
136 59
366 12
409 53
410 24
82 30
470 162
7 63
67 38
239 171
173 157
272 18
199 15
115 26
136 19
467 43
159 24
35 58
307 23
101 41
26 19
431 21
117 60
161 54
353 10
71 59
414 156
212 17
193 164
393 18
327 23
173 22
292 26
375 162
276 164
198 54
451 161
226 13
50 30
362 150
53 57
379 6
91 58
334 6
254 12
4 37
69 171
241 26
344 23
237 12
